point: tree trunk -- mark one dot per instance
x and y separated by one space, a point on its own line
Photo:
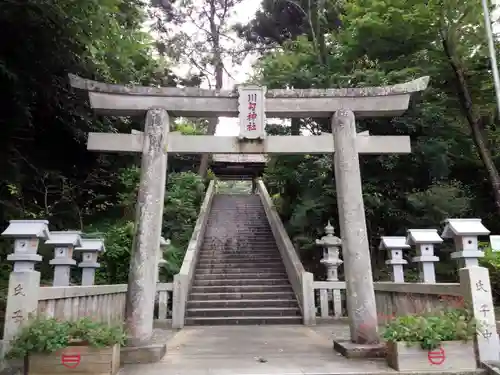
474 121
219 74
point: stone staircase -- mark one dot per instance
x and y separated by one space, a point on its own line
240 277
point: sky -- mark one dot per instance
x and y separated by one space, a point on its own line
243 13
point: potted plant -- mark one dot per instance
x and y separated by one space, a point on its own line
438 341
50 346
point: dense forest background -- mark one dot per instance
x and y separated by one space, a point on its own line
47 173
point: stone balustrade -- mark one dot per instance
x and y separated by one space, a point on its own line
393 299
397 297
27 298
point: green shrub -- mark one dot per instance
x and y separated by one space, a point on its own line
183 197
429 330
491 261
46 335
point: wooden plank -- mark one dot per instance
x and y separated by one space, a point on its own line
92 361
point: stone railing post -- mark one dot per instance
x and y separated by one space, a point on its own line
395 245
476 290
331 251
464 233
24 281
90 249
64 243
424 240
164 244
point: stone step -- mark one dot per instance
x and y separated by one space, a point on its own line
245 209
244 245
247 265
202 269
238 224
239 271
254 247
240 236
237 259
241 288
246 320
221 260
241 281
241 275
242 303
232 296
237 250
243 311
247 255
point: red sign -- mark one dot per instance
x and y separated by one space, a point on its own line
69 359
437 357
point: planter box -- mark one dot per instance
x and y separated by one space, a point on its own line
458 356
76 360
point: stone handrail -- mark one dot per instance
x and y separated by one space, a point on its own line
395 299
104 303
302 281
184 279
392 298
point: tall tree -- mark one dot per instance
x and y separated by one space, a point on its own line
380 43
449 36
200 37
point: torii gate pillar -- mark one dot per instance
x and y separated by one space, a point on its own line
361 305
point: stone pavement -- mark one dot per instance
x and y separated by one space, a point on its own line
257 350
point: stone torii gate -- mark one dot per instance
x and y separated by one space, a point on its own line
252 104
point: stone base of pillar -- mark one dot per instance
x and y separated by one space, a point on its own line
352 350
142 354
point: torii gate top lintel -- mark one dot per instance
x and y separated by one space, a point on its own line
127 100
252 104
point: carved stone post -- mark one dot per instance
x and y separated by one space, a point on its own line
149 212
465 232
476 289
331 248
424 240
24 281
64 243
357 264
395 245
90 249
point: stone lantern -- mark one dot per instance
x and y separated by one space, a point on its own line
64 243
24 281
331 251
26 234
90 249
424 240
495 243
464 233
395 245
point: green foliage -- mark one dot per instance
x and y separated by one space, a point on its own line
491 260
47 335
116 259
429 330
183 197
381 43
